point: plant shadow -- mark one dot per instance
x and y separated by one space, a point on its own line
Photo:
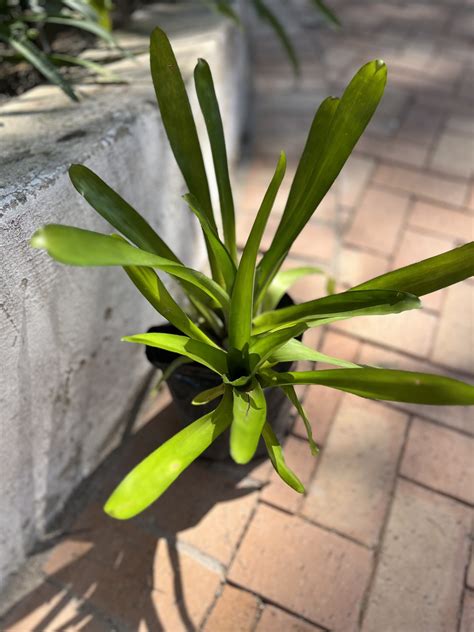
141 574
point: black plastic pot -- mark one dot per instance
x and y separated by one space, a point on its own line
189 380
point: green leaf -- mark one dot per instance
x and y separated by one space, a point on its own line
387 384
295 350
102 71
150 285
115 210
178 119
249 413
326 11
209 395
212 117
40 61
220 252
223 7
148 480
275 453
346 125
87 25
283 281
269 16
241 309
263 346
343 305
180 127
291 394
428 275
210 356
79 247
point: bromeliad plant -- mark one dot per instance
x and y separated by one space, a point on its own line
237 331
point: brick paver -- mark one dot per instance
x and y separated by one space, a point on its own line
419 579
297 565
381 540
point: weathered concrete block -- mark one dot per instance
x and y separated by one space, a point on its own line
67 384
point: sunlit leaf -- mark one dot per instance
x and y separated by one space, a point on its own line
294 350
291 394
360 303
241 309
248 417
148 480
212 357
275 453
387 384
428 275
79 247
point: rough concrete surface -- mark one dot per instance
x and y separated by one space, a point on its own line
67 384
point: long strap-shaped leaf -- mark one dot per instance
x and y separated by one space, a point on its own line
387 384
292 396
348 122
283 281
212 117
37 58
428 275
364 302
241 309
212 357
295 350
153 289
326 11
148 480
179 123
79 247
122 216
270 17
249 414
119 213
275 453
261 347
221 254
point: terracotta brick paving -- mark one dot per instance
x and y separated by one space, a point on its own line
382 540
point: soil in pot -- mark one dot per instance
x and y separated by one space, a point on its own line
188 380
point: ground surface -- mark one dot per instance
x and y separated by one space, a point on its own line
381 542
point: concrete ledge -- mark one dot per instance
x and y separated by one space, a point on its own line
67 385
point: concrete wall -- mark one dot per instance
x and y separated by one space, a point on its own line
67 384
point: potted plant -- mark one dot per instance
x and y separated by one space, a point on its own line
240 330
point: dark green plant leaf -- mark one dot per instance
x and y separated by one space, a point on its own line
212 117
428 275
150 285
87 25
178 119
275 453
241 310
263 346
220 252
225 8
269 16
115 210
210 356
326 11
291 394
387 384
40 61
344 305
347 123
102 71
148 480
249 414
79 247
